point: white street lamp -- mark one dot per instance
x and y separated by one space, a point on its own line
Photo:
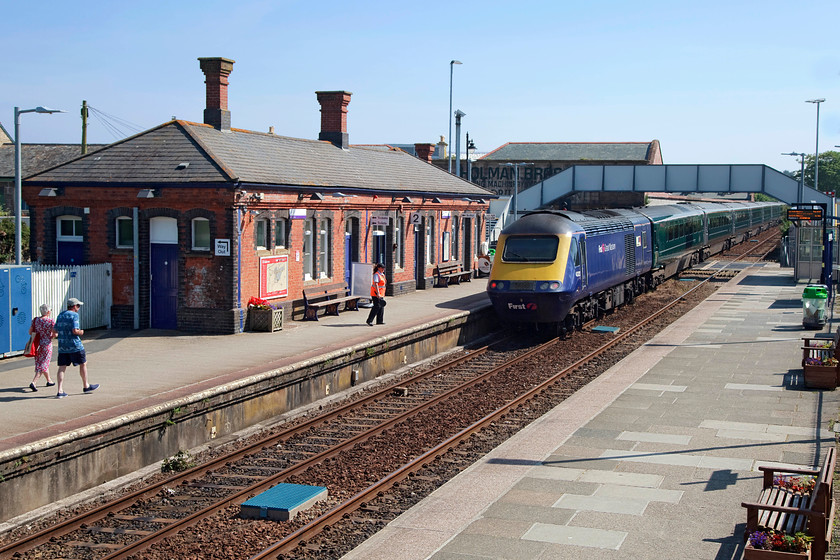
18 188
452 64
817 158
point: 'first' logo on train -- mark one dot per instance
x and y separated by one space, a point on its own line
606 247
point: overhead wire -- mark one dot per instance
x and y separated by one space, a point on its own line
118 127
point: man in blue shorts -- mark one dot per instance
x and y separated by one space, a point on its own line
70 348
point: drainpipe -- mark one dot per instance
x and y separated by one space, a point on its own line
239 268
136 233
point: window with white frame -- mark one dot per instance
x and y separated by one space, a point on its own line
430 240
69 228
281 233
308 243
456 237
125 232
324 248
200 234
445 244
261 234
398 242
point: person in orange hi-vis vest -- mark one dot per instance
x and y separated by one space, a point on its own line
377 295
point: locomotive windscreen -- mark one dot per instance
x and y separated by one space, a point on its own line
530 248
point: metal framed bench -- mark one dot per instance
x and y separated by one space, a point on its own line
328 297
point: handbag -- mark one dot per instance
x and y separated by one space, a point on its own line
31 348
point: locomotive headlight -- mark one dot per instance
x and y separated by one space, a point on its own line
544 286
554 286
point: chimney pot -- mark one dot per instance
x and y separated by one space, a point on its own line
334 117
216 71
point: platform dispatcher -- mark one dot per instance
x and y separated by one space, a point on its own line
377 296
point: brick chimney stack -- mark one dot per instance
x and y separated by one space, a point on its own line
425 151
216 71
334 117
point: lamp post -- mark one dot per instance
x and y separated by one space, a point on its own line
516 167
458 114
452 64
18 187
801 193
817 157
469 149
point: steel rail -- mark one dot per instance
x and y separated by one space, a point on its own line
352 504
96 514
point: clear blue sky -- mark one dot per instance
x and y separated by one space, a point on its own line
714 81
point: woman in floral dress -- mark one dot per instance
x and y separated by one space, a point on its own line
43 325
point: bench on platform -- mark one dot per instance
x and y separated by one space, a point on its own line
328 297
819 361
452 273
783 509
821 346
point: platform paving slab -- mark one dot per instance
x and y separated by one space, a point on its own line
728 388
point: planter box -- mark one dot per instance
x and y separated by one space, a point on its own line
265 320
820 377
751 553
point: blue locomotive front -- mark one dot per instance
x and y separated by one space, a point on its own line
549 264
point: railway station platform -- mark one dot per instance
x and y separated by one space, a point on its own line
651 460
144 373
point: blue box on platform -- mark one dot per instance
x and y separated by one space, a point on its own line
15 308
282 502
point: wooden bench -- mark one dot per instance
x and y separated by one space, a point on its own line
781 509
821 346
452 273
328 297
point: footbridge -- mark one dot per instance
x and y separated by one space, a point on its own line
678 179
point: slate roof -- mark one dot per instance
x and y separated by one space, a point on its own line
35 158
572 151
154 157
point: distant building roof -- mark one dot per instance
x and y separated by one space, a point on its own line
576 151
35 158
156 156
5 137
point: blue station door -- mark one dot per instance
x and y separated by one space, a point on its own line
163 273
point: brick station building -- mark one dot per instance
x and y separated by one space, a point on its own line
198 218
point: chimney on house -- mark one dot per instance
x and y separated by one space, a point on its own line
216 71
334 117
425 151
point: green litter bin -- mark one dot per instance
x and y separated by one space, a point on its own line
814 300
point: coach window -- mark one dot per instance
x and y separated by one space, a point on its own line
125 232
200 234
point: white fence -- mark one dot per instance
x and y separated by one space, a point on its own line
91 283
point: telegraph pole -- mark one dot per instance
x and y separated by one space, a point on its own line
84 126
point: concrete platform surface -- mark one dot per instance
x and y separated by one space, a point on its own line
651 460
141 369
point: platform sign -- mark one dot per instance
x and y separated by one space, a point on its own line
805 212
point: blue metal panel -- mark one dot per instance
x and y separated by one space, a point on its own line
5 312
20 293
284 496
605 260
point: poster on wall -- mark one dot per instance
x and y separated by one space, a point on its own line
274 277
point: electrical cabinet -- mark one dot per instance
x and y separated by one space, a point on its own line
15 308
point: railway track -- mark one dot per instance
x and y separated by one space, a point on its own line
365 449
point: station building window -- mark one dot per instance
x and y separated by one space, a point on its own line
325 248
281 233
124 232
261 234
308 249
